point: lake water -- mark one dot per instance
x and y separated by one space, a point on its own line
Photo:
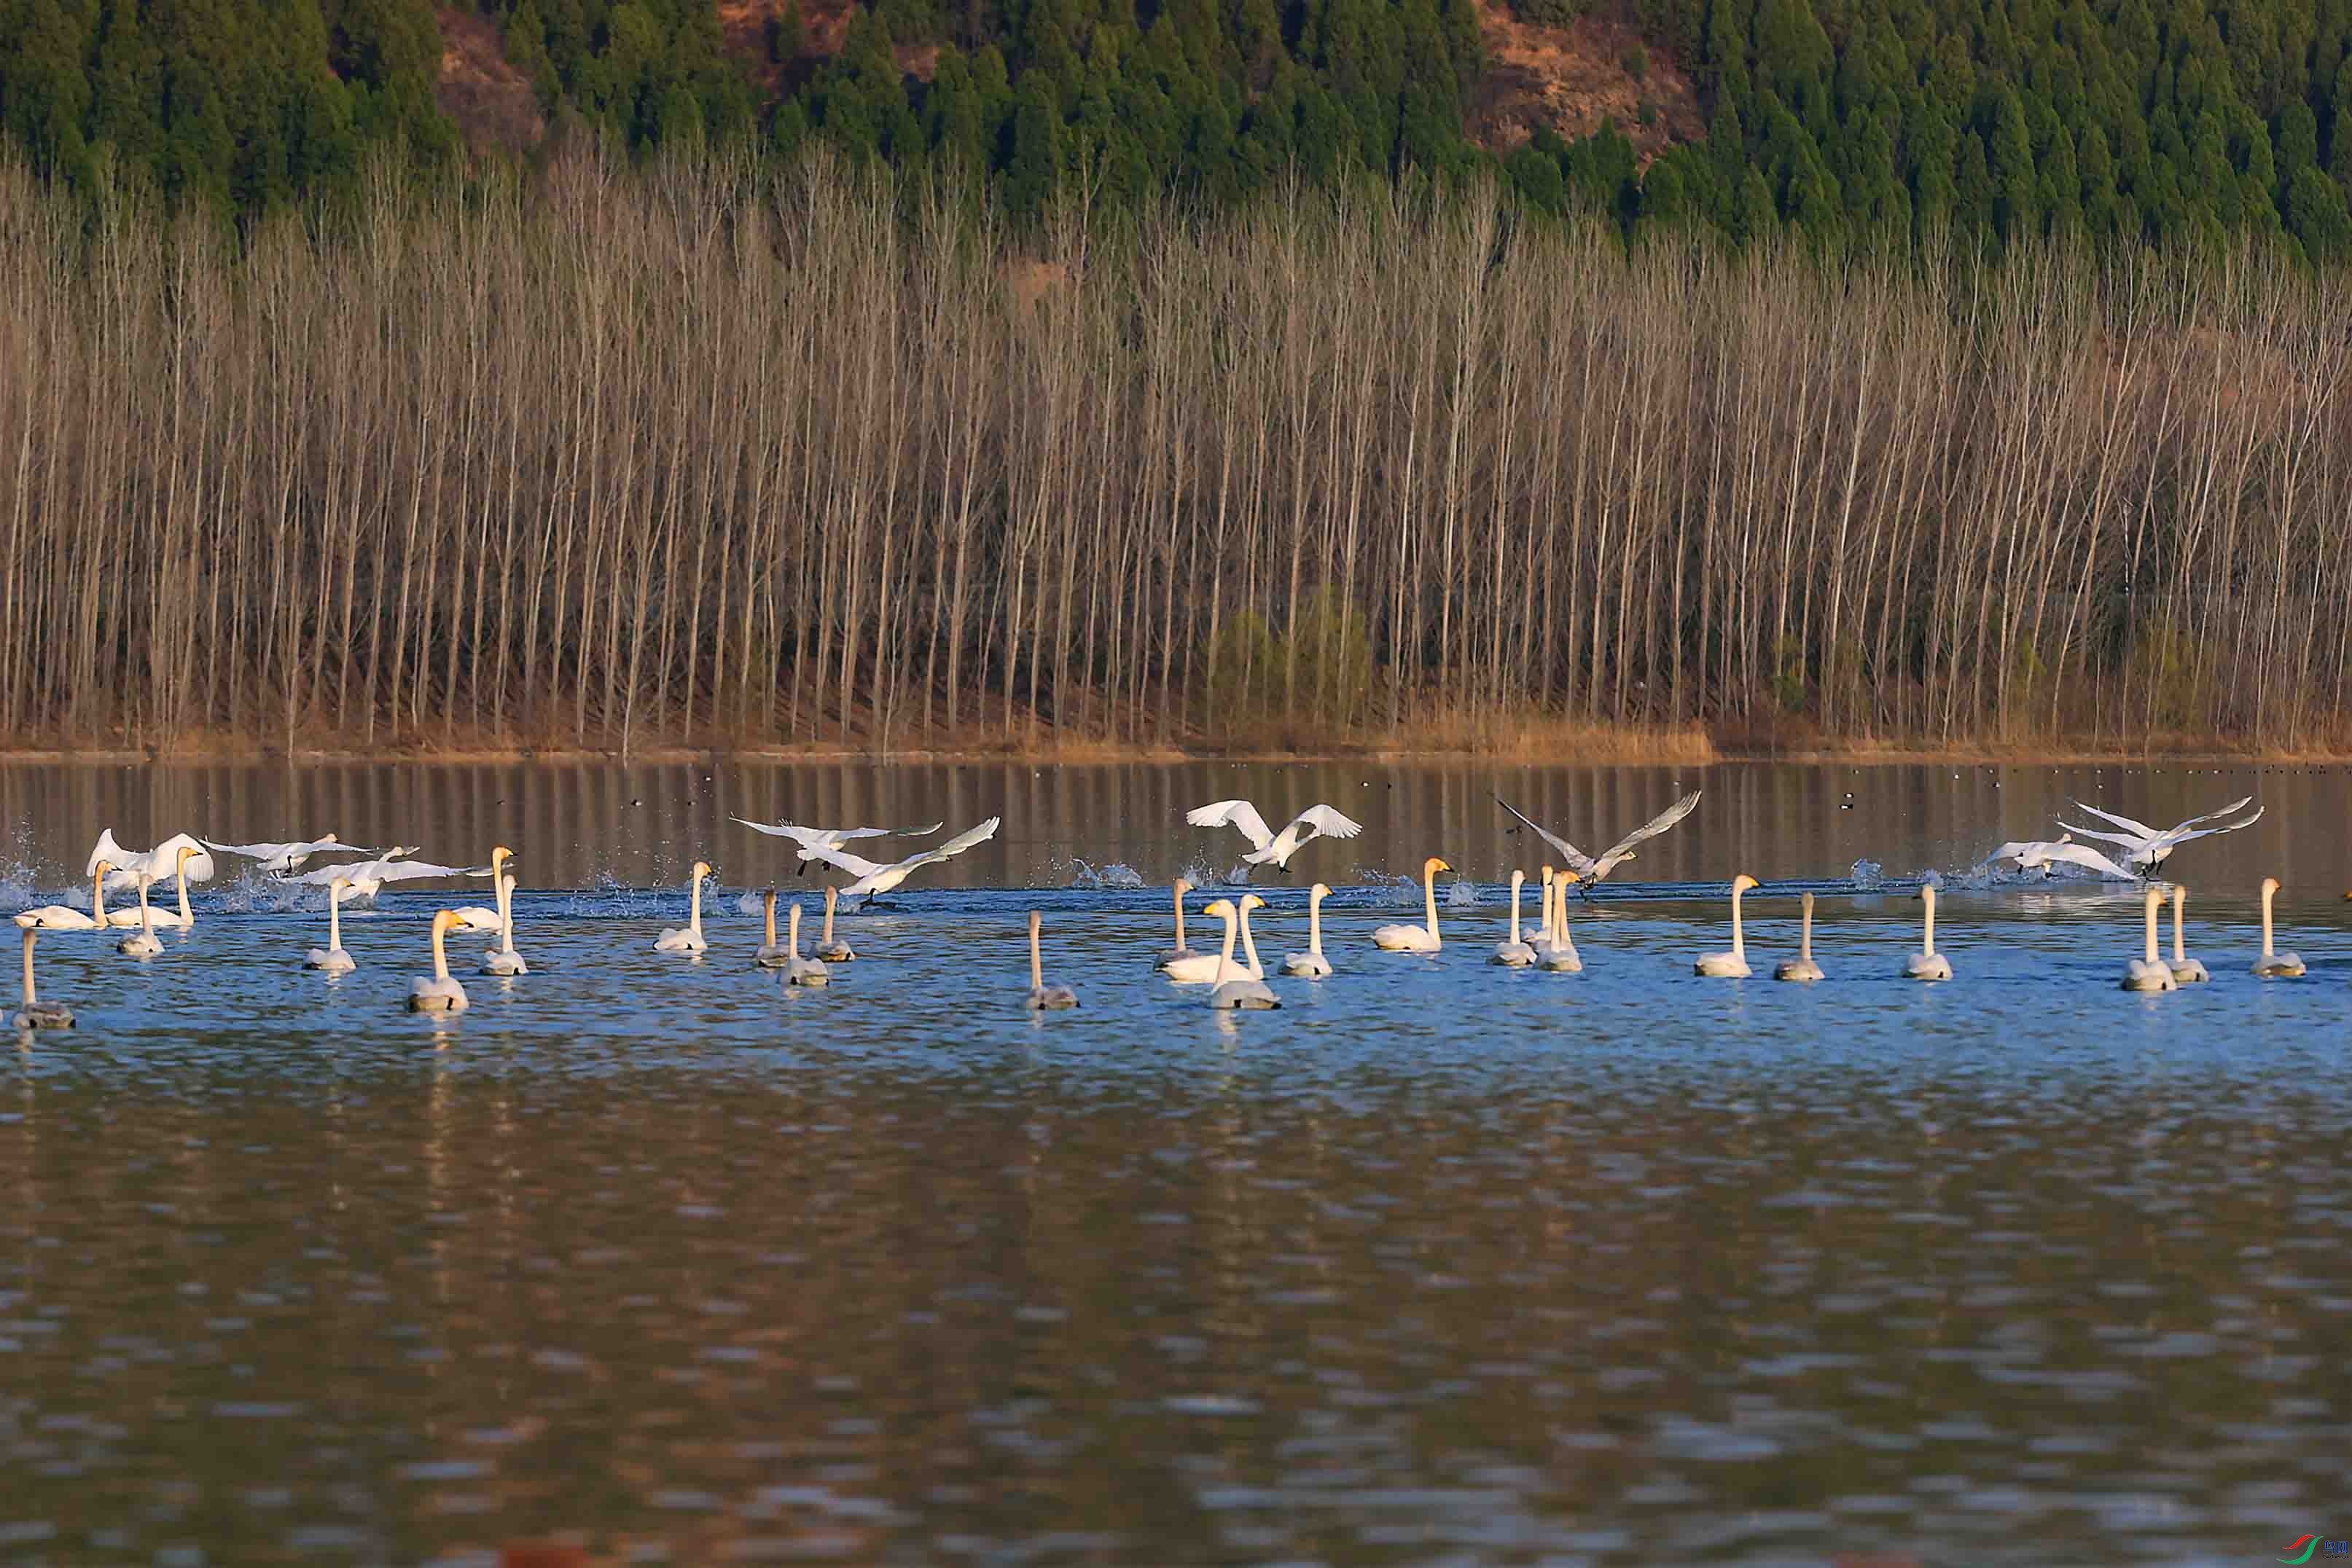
1439 1263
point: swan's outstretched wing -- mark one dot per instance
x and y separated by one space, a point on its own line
856 865
1326 822
2084 855
1655 826
2014 850
792 830
1577 861
2127 823
2174 838
969 838
2238 805
251 852
1232 813
110 851
409 871
2132 841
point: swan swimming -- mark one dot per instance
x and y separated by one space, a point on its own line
473 916
503 959
1311 964
800 972
1732 966
276 859
1416 938
877 880
65 916
144 944
332 957
2273 966
1236 988
1515 953
2187 970
1802 966
442 993
771 954
2149 972
1560 955
831 951
36 1013
688 938
1266 846
1042 997
1178 951
1590 869
1927 964
145 915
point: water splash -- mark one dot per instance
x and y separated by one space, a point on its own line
1117 874
1462 895
1867 874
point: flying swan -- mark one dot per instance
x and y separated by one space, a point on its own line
2148 848
1589 870
812 840
163 862
877 880
1416 938
276 859
2046 855
1268 847
365 878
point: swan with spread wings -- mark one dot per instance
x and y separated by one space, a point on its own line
1266 846
1590 869
875 879
2146 848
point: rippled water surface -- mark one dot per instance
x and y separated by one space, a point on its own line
1439 1263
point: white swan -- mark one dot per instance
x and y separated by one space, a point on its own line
365 878
1560 955
1180 951
1802 966
1733 964
877 880
687 939
180 920
332 957
812 840
1267 846
36 1013
276 859
473 916
1927 964
1234 987
771 953
163 862
1515 953
800 972
826 948
2186 971
144 944
1416 938
1042 997
1590 869
2046 855
2273 966
65 916
2148 848
1311 964
2149 972
1208 968
442 993
503 959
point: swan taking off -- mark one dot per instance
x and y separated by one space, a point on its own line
800 972
144 944
1516 954
2186 971
877 880
365 878
473 916
36 1013
163 862
1043 998
503 959
1927 964
2046 855
812 840
1235 988
1802 966
65 916
2149 972
2146 848
688 938
772 954
2273 966
1732 966
1268 847
1415 938
1558 952
332 958
276 859
1311 964
442 993
1180 951
148 918
831 951
1590 869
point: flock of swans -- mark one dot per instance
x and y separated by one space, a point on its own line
1232 971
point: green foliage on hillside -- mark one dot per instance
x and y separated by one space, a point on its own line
1867 124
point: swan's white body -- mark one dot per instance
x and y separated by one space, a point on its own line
65 916
2272 964
163 864
687 939
503 959
1043 998
1927 964
332 958
1236 988
1416 938
800 972
441 993
1178 952
2186 971
2046 855
1733 965
365 878
145 944
1559 949
2149 972
276 859
1515 953
812 840
36 1013
772 954
2148 848
1311 964
831 951
1266 846
878 880
1590 869
473 916
1802 966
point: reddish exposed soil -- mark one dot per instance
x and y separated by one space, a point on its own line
493 105
1573 79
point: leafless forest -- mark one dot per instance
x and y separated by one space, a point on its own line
691 454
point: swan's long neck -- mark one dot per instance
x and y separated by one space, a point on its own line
771 919
185 918
1429 898
1315 925
334 922
1738 942
2153 898
2179 897
1036 959
29 998
440 954
694 910
98 895
1179 920
1517 882
2267 893
1927 940
146 911
1805 943
832 896
795 938
1249 946
1225 962
506 912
